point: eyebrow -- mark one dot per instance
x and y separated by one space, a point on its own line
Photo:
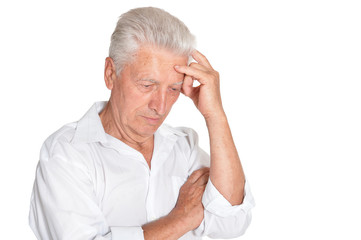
148 80
156 82
178 83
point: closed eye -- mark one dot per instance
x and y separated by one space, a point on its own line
175 90
146 86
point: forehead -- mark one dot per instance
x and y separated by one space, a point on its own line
150 61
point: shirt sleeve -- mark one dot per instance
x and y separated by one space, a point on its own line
63 202
221 219
121 233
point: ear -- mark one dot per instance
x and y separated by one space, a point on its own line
110 73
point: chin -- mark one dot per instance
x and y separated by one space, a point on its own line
147 127
149 130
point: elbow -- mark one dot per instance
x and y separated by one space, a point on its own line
243 225
233 227
237 197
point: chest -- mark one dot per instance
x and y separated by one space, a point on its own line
147 155
130 193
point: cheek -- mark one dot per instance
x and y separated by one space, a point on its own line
172 99
137 104
129 103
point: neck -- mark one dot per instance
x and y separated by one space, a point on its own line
114 127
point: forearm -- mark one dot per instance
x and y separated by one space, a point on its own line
226 171
168 227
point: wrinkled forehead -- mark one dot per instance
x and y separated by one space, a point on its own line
150 60
147 52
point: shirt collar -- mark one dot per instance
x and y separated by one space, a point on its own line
90 128
168 131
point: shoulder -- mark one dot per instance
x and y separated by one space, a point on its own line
58 141
187 144
184 135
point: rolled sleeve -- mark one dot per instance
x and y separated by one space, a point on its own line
214 202
120 233
221 219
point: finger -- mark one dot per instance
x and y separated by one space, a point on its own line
200 191
197 174
197 74
200 58
191 92
202 180
199 66
187 86
194 93
197 196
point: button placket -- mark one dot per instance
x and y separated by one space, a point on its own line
151 215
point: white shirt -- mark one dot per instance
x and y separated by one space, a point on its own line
90 185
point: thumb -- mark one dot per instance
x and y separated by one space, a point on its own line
187 85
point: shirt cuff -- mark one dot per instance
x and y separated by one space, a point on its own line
131 233
214 202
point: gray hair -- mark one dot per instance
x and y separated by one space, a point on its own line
148 25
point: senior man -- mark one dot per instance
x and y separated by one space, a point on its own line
119 173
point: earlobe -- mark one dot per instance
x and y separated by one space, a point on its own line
109 73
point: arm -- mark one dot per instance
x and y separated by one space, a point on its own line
63 204
226 171
221 219
186 215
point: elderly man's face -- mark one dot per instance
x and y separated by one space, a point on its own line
146 89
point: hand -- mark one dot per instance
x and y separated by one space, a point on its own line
189 204
206 96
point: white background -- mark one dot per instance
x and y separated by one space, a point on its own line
291 83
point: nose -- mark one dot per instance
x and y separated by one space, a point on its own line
158 102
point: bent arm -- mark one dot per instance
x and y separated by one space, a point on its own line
186 215
168 227
226 172
221 218
64 206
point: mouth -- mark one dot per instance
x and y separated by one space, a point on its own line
152 121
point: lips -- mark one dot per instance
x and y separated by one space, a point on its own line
152 121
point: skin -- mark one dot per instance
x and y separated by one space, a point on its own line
141 98
226 172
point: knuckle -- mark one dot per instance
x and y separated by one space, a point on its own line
204 169
215 74
200 169
197 172
200 188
